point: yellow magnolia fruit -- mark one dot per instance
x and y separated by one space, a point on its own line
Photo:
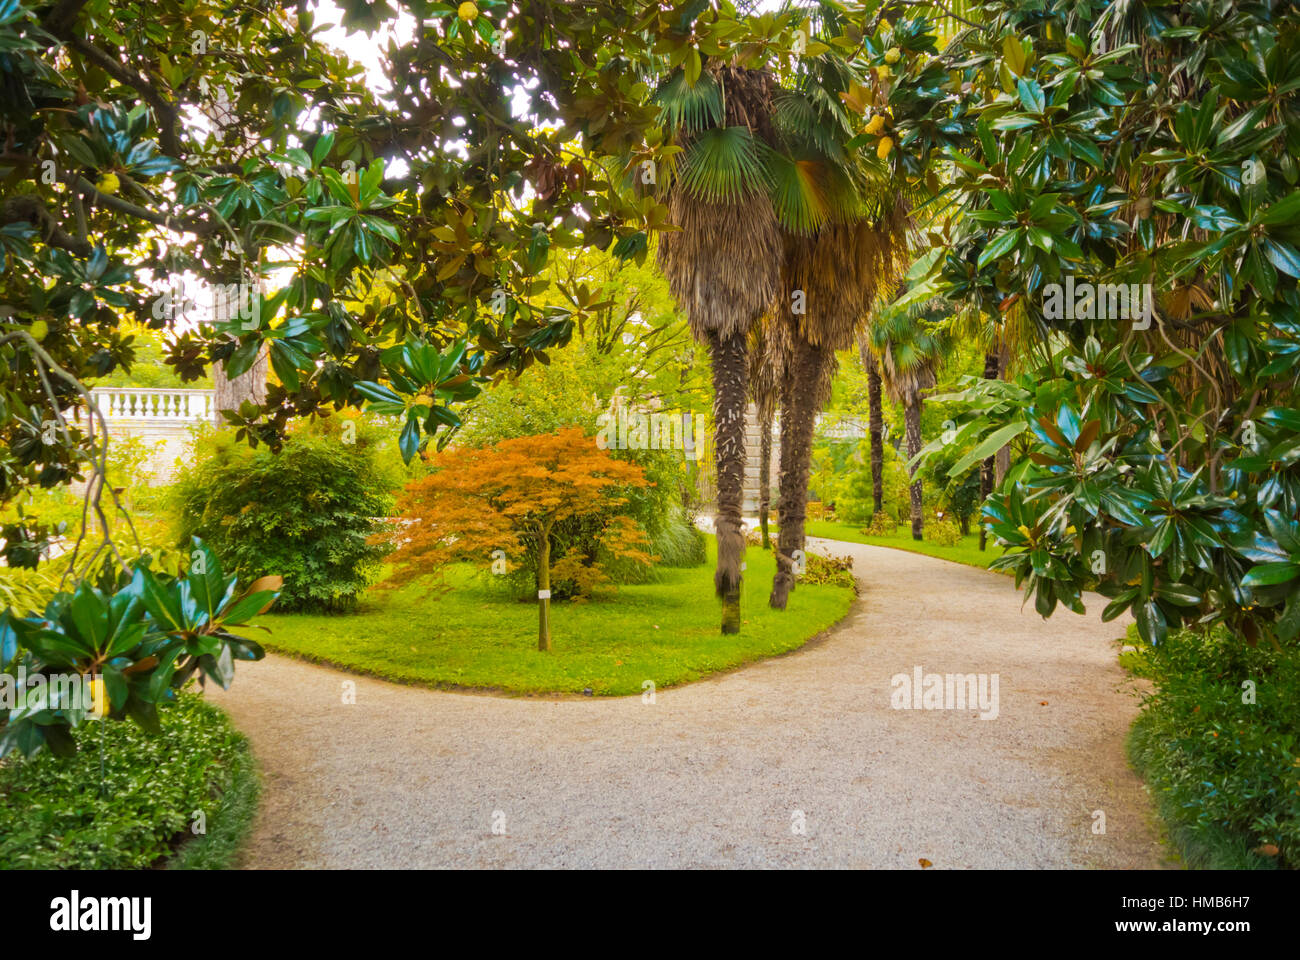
39 330
875 125
1070 531
99 705
108 184
892 55
1026 531
883 148
883 72
467 11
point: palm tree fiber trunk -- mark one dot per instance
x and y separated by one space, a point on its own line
801 397
876 428
912 417
730 376
765 476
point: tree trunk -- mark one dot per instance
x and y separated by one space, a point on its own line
876 428
730 377
986 468
1002 459
765 475
230 394
801 395
544 589
912 418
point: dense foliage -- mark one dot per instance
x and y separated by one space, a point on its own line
137 635
127 799
1219 746
1152 149
308 513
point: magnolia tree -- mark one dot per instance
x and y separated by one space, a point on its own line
1125 183
495 505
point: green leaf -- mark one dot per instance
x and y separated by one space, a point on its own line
1269 574
1000 246
990 445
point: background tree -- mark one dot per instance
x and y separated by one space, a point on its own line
911 343
508 497
875 421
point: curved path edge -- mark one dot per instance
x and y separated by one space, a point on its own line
801 760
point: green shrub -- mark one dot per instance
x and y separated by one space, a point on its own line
306 513
27 591
677 541
830 571
63 813
882 525
1226 773
943 532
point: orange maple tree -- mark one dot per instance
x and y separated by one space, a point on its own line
509 497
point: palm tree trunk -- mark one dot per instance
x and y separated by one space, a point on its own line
730 376
876 429
765 475
875 423
912 418
986 468
801 395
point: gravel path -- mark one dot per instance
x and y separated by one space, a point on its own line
798 761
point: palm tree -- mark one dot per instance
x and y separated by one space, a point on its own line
911 343
723 263
774 213
837 271
992 370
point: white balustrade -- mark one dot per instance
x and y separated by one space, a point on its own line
145 403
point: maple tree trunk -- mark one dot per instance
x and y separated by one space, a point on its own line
730 361
544 589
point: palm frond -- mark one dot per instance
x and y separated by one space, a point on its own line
801 125
683 107
797 190
723 165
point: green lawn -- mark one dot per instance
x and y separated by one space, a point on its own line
967 551
666 632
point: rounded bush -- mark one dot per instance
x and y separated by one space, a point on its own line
307 513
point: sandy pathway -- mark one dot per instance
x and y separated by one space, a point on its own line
724 772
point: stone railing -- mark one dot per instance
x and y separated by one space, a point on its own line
159 406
